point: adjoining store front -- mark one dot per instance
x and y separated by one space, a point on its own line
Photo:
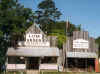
81 52
80 61
81 64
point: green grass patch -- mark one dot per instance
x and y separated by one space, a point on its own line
67 72
16 72
54 73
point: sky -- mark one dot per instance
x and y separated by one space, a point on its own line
85 12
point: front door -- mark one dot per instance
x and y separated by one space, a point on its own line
33 63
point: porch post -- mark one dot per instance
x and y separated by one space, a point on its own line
26 63
6 63
39 63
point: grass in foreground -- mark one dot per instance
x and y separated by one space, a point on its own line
68 73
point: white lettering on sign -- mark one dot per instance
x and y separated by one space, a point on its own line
80 43
34 40
48 66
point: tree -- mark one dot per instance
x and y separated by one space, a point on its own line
59 29
79 27
3 50
47 14
14 20
98 42
72 27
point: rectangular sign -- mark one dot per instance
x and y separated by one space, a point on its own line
20 66
48 66
11 66
80 43
16 66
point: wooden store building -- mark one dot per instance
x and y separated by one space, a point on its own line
34 53
81 52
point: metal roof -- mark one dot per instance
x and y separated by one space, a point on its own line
81 55
33 51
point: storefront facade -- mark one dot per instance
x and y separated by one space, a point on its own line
33 53
81 52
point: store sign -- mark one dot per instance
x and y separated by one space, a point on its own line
80 43
16 66
11 66
20 66
48 67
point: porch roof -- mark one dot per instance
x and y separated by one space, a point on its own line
33 51
81 55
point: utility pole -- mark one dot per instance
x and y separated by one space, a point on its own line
67 43
67 23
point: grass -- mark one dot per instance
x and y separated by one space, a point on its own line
16 72
53 73
68 73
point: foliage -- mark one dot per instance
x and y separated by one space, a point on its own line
61 40
72 27
47 14
98 42
14 20
59 29
14 17
79 27
3 49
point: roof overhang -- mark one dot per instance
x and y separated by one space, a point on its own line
81 55
33 51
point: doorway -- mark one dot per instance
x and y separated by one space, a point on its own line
33 63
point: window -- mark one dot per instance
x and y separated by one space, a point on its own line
15 60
